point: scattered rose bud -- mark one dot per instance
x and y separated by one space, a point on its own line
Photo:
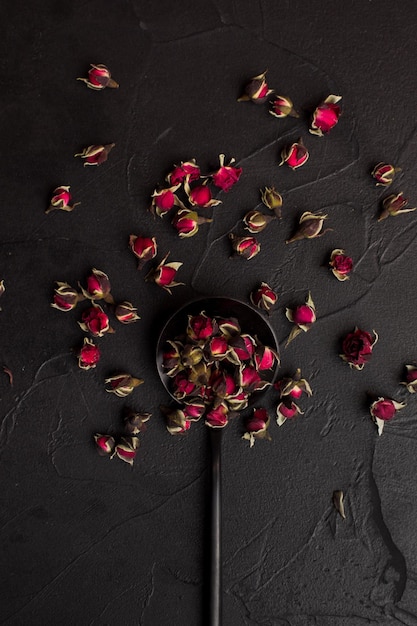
95 155
282 107
264 297
411 379
383 410
293 387
302 316
126 449
122 384
89 355
95 321
384 174
357 348
135 423
326 116
265 358
226 176
218 417
98 287
99 77
338 504
341 264
186 222
144 248
255 221
105 444
200 196
66 297
176 421
294 155
310 226
61 200
163 200
287 409
256 90
394 205
164 274
257 426
246 247
126 313
187 170
272 200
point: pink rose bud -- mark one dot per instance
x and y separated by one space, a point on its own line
164 274
255 221
163 200
341 264
194 410
99 77
326 116
66 297
357 348
383 410
246 247
200 196
282 107
201 327
218 417
293 387
105 444
226 176
287 409
176 421
95 321
384 174
294 155
310 226
243 346
265 358
95 155
135 423
183 387
126 313
187 170
218 348
89 355
411 379
302 316
186 222
264 297
394 205
98 287
126 449
256 90
61 200
272 200
122 384
144 248
250 380
257 426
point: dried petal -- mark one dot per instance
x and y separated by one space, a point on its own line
95 155
246 247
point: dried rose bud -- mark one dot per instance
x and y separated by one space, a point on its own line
250 380
394 205
122 384
326 116
194 410
191 356
144 248
384 174
238 401
218 348
171 358
287 409
99 77
383 410
265 358
294 155
226 176
310 226
200 196
201 327
135 423
272 200
246 247
223 384
303 316
3 288
163 200
229 326
126 313
98 287
341 264
61 200
95 321
105 444
282 107
66 297
264 297
126 449
411 379
357 348
89 355
199 374
183 387
187 170
186 222
257 426
293 387
243 346
255 221
164 274
176 421
95 155
218 417
256 90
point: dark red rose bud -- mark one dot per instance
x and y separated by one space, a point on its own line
95 321
126 449
246 247
272 200
255 221
126 313
187 222
191 355
187 170
98 287
264 297
135 423
293 387
394 205
265 358
218 348
89 355
171 358
163 200
61 200
310 226
201 327
256 90
384 174
164 274
340 264
218 417
238 401
302 316
257 426
243 346
357 348
176 421
95 155
122 384
144 248
287 409
105 444
326 116
383 410
183 387
294 155
282 107
66 297
194 410
250 379
411 379
99 77
200 196
226 176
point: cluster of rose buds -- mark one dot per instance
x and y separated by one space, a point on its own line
290 389
303 317
357 348
145 249
396 203
125 445
213 367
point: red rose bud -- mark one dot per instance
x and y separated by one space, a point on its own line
144 248
243 346
186 222
105 444
201 327
250 379
193 411
126 449
183 386
255 221
394 205
264 297
99 77
95 321
226 176
95 155
171 358
246 247
302 316
61 200
122 384
310 226
163 200
272 200
326 116
294 155
136 422
218 417
98 287
218 348
229 327
257 426
176 421
341 264
287 410
238 401
164 274
293 387
126 313
383 410
265 358
200 196
256 90
282 107
187 170
384 174
357 348
411 378
66 297
89 355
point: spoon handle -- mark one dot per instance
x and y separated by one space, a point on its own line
215 547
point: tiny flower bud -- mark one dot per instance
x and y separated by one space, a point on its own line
411 379
126 449
256 90
95 321
394 205
187 170
163 200
194 410
98 287
95 155
144 248
294 155
105 444
126 313
293 387
218 417
326 116
282 107
61 199
201 327
136 422
340 264
226 176
99 77
302 316
200 196
287 410
255 221
176 421
383 410
384 174
272 200
357 348
257 426
246 247
164 274
66 297
310 226
264 297
122 384
265 358
191 355
186 222
89 355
